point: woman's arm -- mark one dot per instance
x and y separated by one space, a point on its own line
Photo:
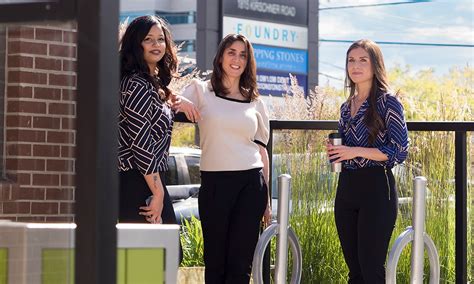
267 216
342 153
394 151
138 109
188 101
264 154
261 139
182 104
152 211
396 148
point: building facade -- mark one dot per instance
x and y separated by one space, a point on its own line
284 34
180 14
39 102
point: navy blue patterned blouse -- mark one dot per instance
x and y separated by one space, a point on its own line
145 124
392 141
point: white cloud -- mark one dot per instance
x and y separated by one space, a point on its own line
371 11
464 5
459 20
440 21
451 34
393 59
336 27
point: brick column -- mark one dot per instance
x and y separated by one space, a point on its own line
40 117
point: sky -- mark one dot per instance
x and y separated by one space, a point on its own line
437 22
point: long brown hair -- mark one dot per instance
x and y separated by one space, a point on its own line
248 79
372 118
131 53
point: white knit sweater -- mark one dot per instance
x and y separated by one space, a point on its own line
229 130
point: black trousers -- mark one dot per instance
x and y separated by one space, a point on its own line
134 191
231 206
366 210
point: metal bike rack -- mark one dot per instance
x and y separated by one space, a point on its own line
284 234
416 234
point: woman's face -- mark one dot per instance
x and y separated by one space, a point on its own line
234 59
154 46
359 66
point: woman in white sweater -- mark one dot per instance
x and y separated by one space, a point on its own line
234 131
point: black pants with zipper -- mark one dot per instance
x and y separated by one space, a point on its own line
365 211
133 192
231 206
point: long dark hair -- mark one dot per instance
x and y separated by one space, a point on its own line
131 53
380 85
248 79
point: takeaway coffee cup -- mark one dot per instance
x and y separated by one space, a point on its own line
335 139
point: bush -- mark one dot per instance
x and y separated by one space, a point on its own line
425 97
192 242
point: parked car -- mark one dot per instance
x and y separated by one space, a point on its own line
183 181
183 178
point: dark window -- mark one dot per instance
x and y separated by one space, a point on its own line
186 45
193 168
172 173
178 18
132 15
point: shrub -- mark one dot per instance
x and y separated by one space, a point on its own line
425 97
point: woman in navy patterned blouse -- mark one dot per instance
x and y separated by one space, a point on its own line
375 138
148 61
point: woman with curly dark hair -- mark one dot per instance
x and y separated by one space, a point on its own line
148 62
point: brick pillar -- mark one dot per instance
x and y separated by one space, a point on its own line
40 116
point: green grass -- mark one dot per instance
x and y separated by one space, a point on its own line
183 135
426 98
193 243
314 187
313 221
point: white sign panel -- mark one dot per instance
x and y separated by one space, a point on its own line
267 33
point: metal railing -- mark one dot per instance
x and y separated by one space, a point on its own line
284 234
460 142
416 234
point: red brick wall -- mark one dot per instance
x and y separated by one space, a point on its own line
40 116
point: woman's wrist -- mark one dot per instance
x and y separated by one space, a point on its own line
359 151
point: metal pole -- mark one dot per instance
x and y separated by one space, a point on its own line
267 255
417 256
460 169
284 191
420 239
97 108
284 235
